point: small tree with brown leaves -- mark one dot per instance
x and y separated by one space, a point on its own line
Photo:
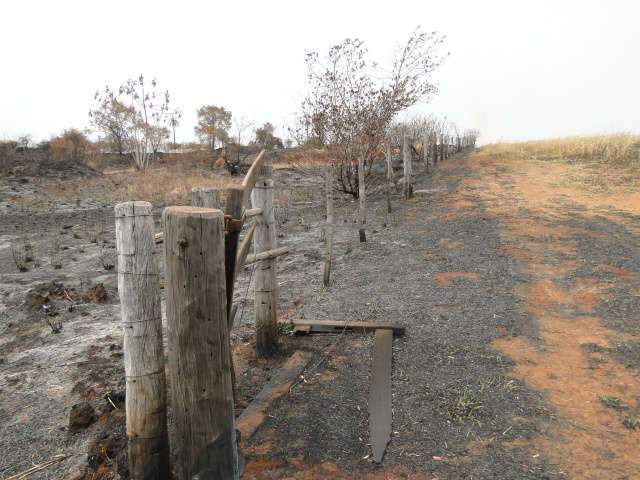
352 102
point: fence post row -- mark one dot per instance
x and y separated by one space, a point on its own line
264 239
199 347
139 291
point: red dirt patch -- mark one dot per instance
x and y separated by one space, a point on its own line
444 279
588 440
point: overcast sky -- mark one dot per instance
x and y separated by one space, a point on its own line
517 70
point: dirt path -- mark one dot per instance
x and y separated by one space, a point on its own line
520 290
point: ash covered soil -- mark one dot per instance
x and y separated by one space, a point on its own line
465 266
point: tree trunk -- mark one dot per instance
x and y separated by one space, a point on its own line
362 197
146 389
198 338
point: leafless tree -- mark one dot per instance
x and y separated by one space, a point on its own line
241 124
137 111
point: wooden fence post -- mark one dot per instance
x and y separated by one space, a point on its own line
207 197
407 187
234 200
362 200
199 366
425 151
389 175
329 228
434 151
264 238
146 388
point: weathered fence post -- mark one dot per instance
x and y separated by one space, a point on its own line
234 199
362 199
139 290
389 175
207 197
329 228
264 238
425 151
434 151
199 366
407 187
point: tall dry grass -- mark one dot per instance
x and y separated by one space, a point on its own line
162 186
620 150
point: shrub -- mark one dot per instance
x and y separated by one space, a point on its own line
70 146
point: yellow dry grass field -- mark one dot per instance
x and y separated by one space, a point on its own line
621 149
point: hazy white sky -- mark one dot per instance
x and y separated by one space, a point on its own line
517 69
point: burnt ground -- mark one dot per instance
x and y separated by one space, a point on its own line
520 358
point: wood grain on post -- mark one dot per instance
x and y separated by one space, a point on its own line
139 291
207 197
199 356
362 199
251 177
328 252
407 187
264 238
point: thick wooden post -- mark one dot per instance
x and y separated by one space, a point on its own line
207 197
329 227
199 366
146 394
407 187
264 238
441 148
362 198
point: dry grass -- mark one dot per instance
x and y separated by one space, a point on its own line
620 150
166 186
162 186
312 159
